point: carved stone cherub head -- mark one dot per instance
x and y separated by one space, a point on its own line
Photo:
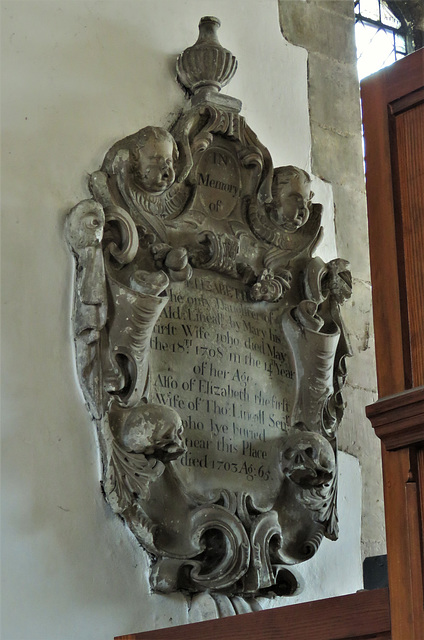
291 193
152 158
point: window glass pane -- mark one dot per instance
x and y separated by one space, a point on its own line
388 18
370 9
375 48
400 44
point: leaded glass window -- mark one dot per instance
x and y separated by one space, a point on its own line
380 36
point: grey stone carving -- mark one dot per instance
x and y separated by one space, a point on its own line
209 345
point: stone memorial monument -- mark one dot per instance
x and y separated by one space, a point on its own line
209 344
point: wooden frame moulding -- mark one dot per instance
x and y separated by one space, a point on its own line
361 616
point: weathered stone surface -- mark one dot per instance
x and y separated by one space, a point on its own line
358 437
338 106
337 157
225 366
318 30
342 7
360 440
352 231
358 310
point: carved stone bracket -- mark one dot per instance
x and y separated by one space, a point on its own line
209 344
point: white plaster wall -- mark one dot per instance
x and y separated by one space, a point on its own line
77 76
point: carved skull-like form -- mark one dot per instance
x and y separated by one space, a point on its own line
154 431
308 459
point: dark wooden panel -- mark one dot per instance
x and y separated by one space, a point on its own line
394 162
402 78
409 207
420 476
396 474
398 420
394 143
414 542
382 234
360 616
407 101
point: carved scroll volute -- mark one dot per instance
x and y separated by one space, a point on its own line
328 286
209 344
314 351
135 311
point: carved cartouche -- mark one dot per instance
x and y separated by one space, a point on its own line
209 345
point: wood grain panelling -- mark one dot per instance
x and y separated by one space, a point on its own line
360 616
382 234
409 208
399 420
394 95
420 475
394 140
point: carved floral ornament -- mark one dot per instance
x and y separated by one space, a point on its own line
209 344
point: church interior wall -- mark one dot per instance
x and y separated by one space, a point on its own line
78 76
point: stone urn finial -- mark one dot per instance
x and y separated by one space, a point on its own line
206 63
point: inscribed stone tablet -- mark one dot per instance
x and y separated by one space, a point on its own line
223 364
